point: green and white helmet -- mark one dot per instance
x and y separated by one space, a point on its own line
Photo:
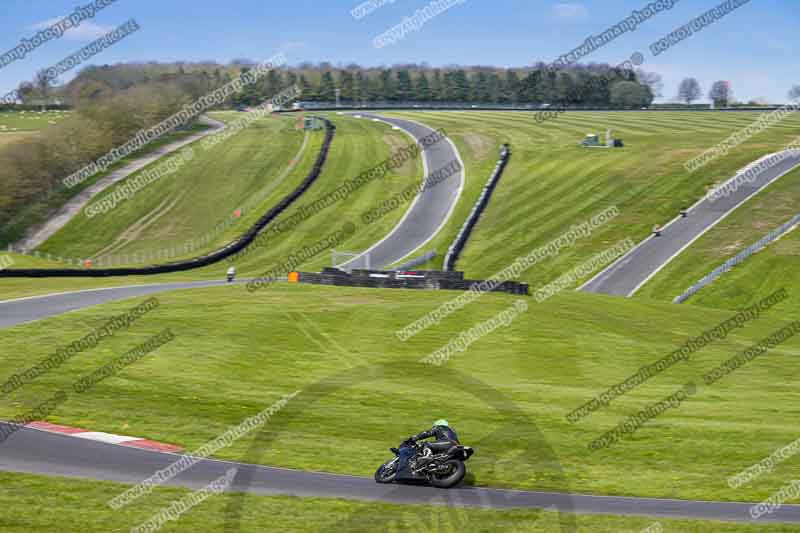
441 422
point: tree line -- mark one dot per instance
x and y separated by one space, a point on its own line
580 85
577 85
721 93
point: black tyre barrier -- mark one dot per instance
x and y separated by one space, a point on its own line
420 279
214 257
483 200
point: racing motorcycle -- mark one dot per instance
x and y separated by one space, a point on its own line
440 464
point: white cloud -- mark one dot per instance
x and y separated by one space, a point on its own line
87 31
570 12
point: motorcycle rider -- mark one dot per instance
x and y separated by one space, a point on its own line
231 273
445 438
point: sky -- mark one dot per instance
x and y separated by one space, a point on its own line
754 47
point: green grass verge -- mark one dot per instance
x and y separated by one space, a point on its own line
776 266
187 203
252 154
236 353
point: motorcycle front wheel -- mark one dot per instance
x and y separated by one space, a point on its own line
449 474
387 472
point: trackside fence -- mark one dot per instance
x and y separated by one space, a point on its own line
738 258
421 260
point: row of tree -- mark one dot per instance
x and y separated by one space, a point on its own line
721 93
577 86
589 85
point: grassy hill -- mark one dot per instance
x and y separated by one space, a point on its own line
248 170
777 265
190 202
551 183
361 390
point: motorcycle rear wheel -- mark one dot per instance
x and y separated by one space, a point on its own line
387 472
452 477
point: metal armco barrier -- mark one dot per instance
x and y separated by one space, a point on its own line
737 259
420 279
236 246
421 260
483 200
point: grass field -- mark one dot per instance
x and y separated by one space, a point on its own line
192 201
551 183
16 125
236 353
362 390
7 138
19 121
257 156
774 267
34 503
39 212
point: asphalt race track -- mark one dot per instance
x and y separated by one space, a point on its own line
39 452
628 274
429 210
19 311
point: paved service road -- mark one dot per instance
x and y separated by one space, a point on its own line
629 273
38 234
39 452
429 210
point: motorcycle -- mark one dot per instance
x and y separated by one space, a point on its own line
439 464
